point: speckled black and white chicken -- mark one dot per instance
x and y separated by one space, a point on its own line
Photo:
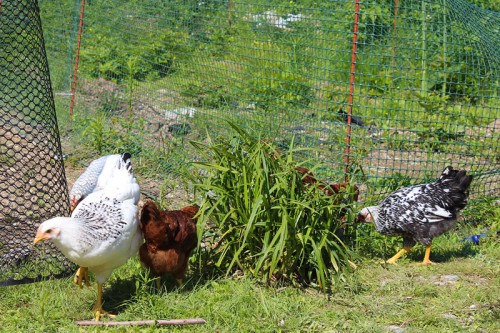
421 212
103 231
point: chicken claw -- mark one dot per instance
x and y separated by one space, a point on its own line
82 275
102 313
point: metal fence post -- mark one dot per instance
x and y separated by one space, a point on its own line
351 87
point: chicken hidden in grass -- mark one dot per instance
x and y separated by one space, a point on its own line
421 212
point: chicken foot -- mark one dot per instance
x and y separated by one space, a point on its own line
98 310
427 261
82 275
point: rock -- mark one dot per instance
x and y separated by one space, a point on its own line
449 316
450 278
394 328
182 111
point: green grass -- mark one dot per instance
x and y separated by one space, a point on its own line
416 298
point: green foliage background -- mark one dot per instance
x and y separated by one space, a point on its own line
426 82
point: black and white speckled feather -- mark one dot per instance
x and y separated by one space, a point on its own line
101 221
87 182
421 212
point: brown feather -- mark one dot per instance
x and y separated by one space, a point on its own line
170 237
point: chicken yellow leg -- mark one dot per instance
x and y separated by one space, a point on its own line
399 254
427 255
82 274
98 310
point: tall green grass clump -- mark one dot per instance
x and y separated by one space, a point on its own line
264 219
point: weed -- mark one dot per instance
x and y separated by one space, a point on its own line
396 181
110 103
96 132
269 223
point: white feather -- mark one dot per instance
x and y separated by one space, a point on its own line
92 179
103 231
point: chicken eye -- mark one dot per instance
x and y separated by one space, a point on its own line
48 231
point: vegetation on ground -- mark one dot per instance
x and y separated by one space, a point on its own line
263 218
459 294
434 95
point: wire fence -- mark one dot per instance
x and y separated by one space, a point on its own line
33 184
425 88
400 88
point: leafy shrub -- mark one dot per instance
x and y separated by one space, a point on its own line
266 221
108 56
208 94
396 181
280 88
375 23
105 134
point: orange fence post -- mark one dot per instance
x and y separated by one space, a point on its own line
351 87
77 59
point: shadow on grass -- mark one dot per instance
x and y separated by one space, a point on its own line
445 253
116 295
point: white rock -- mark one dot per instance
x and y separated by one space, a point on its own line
182 111
450 277
394 328
449 316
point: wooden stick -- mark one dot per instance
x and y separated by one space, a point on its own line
142 322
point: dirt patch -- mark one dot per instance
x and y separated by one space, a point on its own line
379 158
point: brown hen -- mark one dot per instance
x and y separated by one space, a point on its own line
329 189
170 237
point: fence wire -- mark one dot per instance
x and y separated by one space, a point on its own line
425 92
426 88
33 184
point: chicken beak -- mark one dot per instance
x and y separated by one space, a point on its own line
364 217
39 237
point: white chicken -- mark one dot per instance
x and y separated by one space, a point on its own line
103 231
94 178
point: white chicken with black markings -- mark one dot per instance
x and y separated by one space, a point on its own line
103 232
421 212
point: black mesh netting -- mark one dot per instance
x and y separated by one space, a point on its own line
33 183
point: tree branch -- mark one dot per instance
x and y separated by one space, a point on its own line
142 322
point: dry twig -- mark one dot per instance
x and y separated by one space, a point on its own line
142 322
